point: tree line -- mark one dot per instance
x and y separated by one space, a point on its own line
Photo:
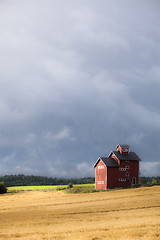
23 180
149 180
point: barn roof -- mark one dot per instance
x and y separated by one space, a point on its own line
109 162
123 145
132 156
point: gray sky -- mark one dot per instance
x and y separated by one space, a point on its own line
77 78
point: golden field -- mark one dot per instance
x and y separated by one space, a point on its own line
55 215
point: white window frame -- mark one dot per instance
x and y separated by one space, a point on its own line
100 182
101 167
122 169
122 180
125 150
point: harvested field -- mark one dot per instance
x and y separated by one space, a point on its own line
120 214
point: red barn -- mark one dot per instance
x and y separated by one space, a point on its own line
119 170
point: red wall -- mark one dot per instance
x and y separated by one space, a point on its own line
108 177
100 176
114 174
115 158
119 149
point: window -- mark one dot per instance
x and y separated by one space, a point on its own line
127 174
127 167
122 179
124 149
100 182
122 169
100 167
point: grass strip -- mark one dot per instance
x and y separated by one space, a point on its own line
48 188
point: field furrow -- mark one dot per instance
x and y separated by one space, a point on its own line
121 214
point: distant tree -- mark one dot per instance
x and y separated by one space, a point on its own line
154 181
70 185
22 180
3 188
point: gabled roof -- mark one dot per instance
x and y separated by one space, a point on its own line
132 156
109 162
123 146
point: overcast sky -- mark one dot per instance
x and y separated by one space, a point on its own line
76 79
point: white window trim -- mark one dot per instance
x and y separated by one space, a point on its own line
122 179
100 182
122 169
101 167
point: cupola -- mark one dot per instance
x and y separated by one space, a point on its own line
123 149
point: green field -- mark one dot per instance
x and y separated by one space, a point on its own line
48 188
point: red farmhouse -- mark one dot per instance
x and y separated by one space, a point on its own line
119 170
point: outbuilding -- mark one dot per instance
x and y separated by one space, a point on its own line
119 170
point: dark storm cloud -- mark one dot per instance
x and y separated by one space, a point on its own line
76 79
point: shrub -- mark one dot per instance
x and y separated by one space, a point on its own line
61 188
3 188
70 185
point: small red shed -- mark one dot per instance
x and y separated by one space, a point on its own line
119 170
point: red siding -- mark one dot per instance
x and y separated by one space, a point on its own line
100 175
114 174
119 149
109 177
112 177
114 157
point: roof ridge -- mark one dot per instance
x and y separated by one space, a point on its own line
108 162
